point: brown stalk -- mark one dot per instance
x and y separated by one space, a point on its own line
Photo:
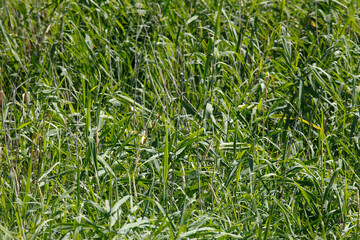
133 176
183 176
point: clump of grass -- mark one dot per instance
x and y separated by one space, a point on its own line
179 119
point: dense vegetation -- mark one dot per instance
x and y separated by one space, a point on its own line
179 119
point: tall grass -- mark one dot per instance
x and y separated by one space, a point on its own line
178 119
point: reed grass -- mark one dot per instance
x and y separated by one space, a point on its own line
205 119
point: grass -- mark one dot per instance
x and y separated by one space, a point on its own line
179 119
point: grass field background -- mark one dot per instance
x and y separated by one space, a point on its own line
210 119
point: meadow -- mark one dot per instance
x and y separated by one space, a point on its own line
179 119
